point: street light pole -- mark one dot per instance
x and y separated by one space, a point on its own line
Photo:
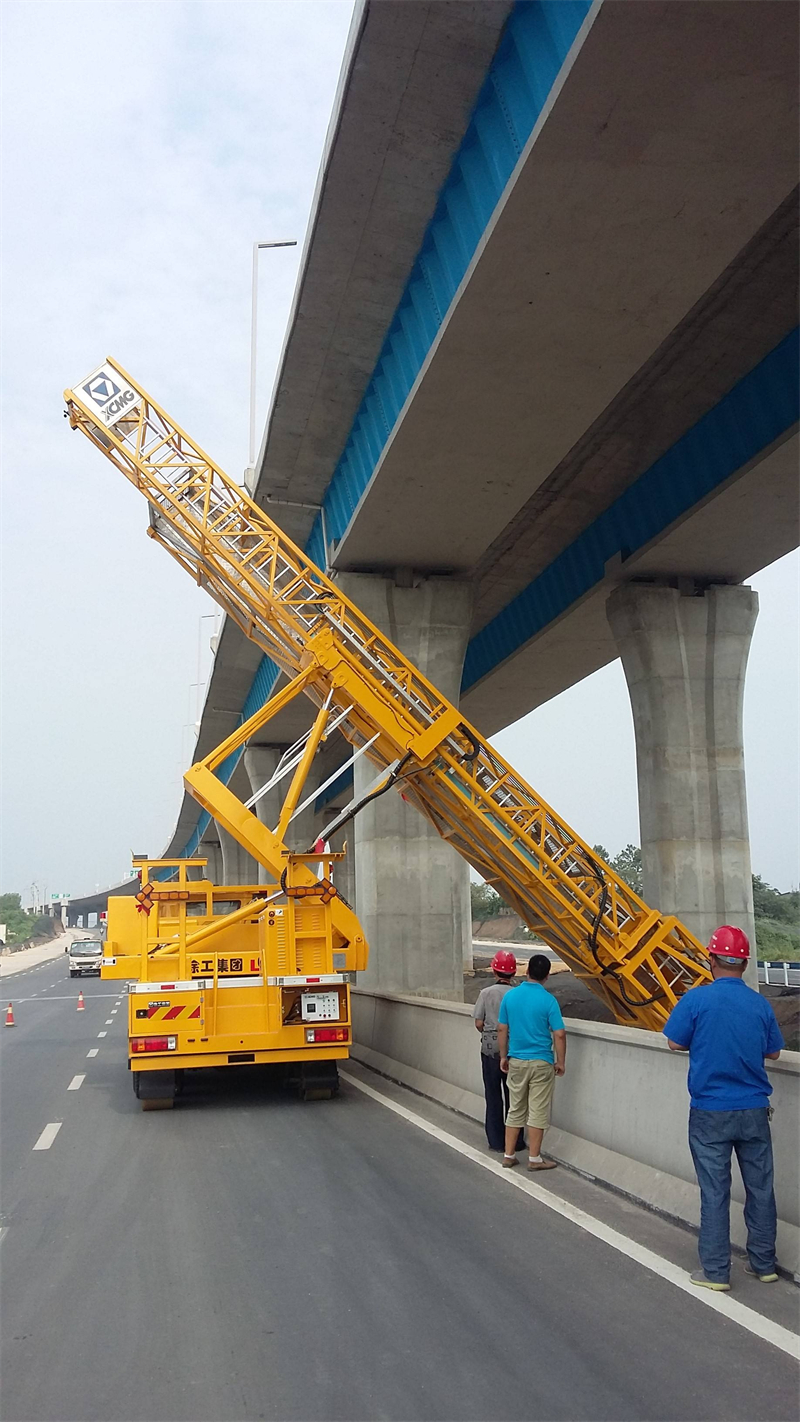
257 247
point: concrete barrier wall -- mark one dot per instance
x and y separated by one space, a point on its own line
620 1112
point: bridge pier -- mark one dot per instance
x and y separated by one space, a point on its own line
260 763
238 867
412 889
684 652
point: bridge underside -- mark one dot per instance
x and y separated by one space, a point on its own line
609 394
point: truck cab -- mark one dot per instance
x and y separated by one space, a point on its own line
85 956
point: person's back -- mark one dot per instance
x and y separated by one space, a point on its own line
486 1010
733 1031
532 1014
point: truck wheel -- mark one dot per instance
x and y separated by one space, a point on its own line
155 1089
318 1081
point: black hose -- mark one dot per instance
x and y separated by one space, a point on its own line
610 971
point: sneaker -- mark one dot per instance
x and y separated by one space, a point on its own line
771 1278
509 1161
703 1282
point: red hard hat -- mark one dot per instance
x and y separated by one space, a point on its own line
505 963
729 942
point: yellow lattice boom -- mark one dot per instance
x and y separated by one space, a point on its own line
636 959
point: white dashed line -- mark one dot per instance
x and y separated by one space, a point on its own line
102 1034
93 1052
48 1136
77 1082
109 1022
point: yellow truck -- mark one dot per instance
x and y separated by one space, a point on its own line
636 959
223 975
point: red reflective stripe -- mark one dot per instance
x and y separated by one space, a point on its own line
196 1012
173 1012
151 1011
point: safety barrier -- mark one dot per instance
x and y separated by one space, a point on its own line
620 1113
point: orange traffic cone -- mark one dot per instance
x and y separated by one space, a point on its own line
81 1007
10 1017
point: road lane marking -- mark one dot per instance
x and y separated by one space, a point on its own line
109 1022
93 1052
48 1135
77 1082
102 1034
737 1312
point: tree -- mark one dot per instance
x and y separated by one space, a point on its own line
19 924
485 902
628 864
771 903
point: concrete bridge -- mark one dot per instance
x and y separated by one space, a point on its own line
537 409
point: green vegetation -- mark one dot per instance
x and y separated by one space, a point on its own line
19 924
485 902
628 864
777 915
777 922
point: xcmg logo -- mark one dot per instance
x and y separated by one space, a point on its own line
101 387
109 394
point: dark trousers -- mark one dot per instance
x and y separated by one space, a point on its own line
495 1091
713 1136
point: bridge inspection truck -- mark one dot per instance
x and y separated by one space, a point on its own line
297 937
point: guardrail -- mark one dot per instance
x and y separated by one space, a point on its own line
777 974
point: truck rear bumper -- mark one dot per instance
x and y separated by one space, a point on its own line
185 1061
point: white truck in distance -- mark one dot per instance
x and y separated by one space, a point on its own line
85 956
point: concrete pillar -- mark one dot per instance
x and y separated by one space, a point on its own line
238 867
213 853
412 889
684 654
260 763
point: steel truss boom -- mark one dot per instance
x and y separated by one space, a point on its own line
636 959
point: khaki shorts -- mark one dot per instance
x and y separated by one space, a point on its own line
530 1091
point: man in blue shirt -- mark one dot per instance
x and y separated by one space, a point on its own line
728 1031
533 1049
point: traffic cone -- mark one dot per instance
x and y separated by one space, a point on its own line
10 1017
81 1007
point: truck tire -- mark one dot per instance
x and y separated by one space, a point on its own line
318 1081
155 1089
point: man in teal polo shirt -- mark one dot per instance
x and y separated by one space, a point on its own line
533 1049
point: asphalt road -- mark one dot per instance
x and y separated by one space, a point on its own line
246 1256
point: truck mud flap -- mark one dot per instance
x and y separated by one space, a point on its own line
315 1081
155 1089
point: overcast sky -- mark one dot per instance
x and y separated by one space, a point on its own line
145 147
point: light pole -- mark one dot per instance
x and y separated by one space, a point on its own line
257 247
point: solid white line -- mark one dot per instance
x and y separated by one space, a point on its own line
102 1034
93 1052
737 1312
48 1136
76 1083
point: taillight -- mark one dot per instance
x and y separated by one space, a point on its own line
326 1034
153 1044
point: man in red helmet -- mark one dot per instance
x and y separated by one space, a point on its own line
495 1085
728 1031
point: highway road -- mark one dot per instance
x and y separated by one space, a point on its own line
249 1257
